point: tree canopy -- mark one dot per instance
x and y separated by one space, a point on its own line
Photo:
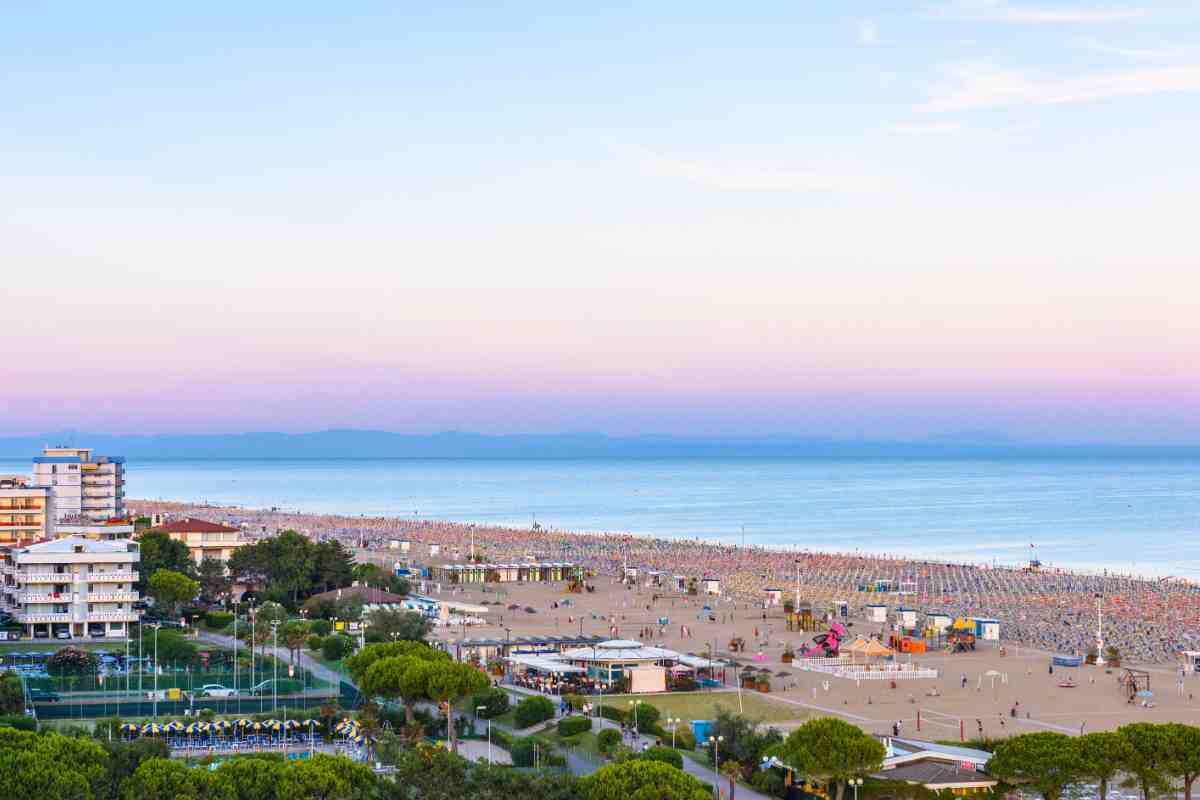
642 780
170 588
384 625
1102 755
159 551
1046 762
831 751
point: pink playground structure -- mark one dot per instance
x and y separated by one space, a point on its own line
827 644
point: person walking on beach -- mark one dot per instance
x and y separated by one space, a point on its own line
964 680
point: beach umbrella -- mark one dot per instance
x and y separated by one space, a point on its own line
193 728
1145 693
243 723
290 724
312 723
152 728
128 727
219 725
272 724
174 726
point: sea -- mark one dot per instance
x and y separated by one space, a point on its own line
1117 514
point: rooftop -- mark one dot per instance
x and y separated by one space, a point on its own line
70 543
193 525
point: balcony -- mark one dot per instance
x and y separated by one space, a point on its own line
113 616
40 617
44 577
110 577
64 597
111 597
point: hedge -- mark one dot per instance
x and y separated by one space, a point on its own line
647 719
494 701
533 710
217 620
663 754
572 726
684 740
607 739
18 721
526 750
613 713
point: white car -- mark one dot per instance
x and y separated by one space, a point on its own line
216 690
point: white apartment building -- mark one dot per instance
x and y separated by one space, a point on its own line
26 511
82 587
84 485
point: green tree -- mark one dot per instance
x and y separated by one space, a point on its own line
1147 759
732 770
157 550
125 757
47 766
404 678
745 740
1102 756
425 772
642 780
336 646
252 778
831 751
333 566
1046 762
170 588
258 633
1183 753
291 565
72 661
215 583
447 682
292 635
251 564
326 777
407 625
360 662
165 779
12 696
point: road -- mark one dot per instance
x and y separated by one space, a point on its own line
308 662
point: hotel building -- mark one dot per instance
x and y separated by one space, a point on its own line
84 485
74 585
204 539
26 511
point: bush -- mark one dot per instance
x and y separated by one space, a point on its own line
527 750
663 754
769 782
313 642
684 740
72 661
18 721
533 710
685 684
608 739
321 627
572 726
576 701
647 718
494 701
336 647
217 620
613 713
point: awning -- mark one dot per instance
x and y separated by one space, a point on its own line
544 664
696 662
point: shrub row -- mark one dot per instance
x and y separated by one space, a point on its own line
572 726
533 710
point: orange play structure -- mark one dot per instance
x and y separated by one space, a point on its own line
907 644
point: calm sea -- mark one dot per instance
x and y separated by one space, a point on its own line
1116 514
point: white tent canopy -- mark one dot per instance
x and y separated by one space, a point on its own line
544 664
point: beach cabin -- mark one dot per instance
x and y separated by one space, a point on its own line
644 680
630 574
711 586
986 629
876 612
906 618
841 609
938 622
1191 660
679 583
774 597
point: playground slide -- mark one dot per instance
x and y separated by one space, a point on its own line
826 644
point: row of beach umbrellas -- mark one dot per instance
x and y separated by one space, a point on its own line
221 726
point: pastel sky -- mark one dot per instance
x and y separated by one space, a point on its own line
837 219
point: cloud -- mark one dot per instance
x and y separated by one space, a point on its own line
1002 11
971 87
1133 53
762 177
927 128
868 34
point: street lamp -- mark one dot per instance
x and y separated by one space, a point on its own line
634 704
797 606
489 720
673 723
235 664
856 782
716 745
274 665
156 626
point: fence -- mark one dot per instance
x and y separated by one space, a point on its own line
868 672
347 697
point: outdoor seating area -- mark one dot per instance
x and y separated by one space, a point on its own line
246 734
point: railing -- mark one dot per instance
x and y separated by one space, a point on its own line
113 616
110 577
39 598
114 597
45 577
25 618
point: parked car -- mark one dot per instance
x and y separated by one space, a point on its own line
62 635
43 696
216 690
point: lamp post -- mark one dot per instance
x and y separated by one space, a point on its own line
716 745
235 616
797 606
156 626
856 782
673 723
274 666
634 704
477 710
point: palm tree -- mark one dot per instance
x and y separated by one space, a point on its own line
731 770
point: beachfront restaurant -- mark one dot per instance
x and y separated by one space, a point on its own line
528 572
937 767
493 649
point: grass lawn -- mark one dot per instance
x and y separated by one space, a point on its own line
585 741
689 706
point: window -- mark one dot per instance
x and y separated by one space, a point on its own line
91 567
91 588
91 607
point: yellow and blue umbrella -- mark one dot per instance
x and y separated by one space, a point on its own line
128 727
174 726
219 725
243 723
290 724
152 728
312 723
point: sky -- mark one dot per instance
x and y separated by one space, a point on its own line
852 220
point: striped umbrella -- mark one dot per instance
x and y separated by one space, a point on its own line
290 724
174 726
128 727
273 725
152 728
192 729
312 723
219 725
243 723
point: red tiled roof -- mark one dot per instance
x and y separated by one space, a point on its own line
193 525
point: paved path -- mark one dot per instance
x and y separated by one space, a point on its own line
308 662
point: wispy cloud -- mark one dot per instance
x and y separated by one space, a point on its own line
868 34
1133 53
973 86
927 128
1002 11
745 176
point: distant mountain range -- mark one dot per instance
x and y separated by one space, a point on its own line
384 444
